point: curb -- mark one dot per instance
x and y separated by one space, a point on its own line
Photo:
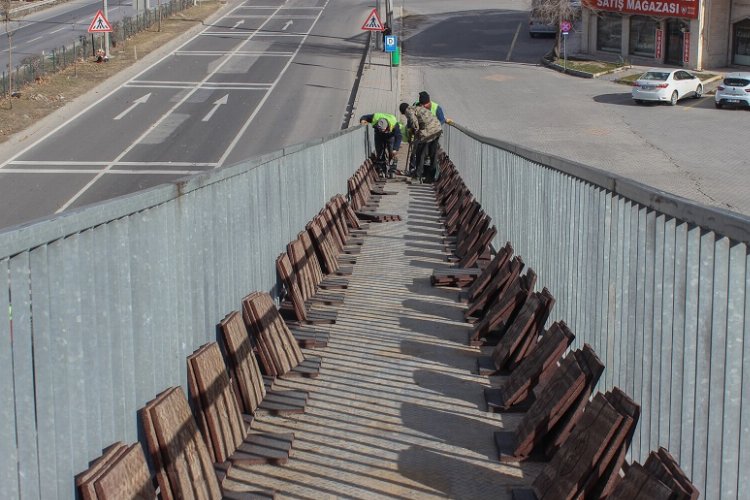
581 74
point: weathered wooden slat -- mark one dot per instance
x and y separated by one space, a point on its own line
553 402
537 367
506 308
638 484
183 452
210 388
85 480
126 477
571 466
279 351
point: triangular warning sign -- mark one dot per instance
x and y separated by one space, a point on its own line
100 24
372 23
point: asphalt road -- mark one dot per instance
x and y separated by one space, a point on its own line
55 27
460 54
265 75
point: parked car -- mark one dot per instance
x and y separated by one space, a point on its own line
733 91
665 85
539 27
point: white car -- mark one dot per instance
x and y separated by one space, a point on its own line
663 84
734 91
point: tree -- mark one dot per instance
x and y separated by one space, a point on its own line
554 12
5 4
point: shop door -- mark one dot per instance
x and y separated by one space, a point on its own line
675 38
741 51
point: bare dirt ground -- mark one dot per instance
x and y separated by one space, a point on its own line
54 91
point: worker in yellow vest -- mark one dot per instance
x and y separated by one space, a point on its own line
388 137
435 108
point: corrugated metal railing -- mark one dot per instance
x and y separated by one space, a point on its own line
108 301
658 285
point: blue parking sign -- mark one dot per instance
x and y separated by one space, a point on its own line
390 43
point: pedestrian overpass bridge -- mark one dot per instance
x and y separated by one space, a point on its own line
109 301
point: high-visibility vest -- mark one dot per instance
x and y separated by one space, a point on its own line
392 120
433 107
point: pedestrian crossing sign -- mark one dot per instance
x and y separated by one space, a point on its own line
100 24
372 23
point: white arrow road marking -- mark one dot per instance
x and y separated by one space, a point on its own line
218 103
288 23
238 23
141 100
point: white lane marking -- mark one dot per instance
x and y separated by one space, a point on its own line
169 112
513 43
239 23
116 164
217 103
288 23
203 87
247 123
140 100
243 53
197 84
281 8
34 39
94 171
58 29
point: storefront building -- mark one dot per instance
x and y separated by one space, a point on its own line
695 34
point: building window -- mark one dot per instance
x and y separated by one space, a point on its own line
742 43
609 33
642 36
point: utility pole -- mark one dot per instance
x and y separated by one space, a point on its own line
106 34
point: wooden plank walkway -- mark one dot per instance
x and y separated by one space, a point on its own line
395 411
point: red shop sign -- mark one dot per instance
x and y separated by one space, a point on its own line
659 35
658 8
686 47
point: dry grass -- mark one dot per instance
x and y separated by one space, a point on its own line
43 97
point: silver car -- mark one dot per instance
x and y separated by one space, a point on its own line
733 91
538 27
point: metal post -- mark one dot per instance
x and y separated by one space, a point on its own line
106 34
565 54
369 49
390 58
378 40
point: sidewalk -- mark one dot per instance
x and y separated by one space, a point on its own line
379 86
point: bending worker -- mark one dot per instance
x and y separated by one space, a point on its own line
387 133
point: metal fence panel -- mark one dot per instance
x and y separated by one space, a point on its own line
657 284
743 464
679 339
666 312
716 368
731 424
23 376
8 449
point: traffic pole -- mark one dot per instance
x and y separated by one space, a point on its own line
106 34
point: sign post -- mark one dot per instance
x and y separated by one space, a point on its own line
100 24
565 28
391 46
372 23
